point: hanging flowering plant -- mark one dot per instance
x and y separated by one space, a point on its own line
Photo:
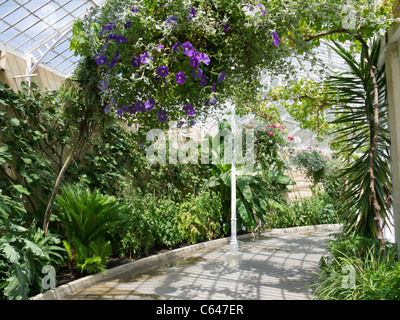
176 53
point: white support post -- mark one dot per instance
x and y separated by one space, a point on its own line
233 256
392 67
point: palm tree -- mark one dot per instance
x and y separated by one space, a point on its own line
363 139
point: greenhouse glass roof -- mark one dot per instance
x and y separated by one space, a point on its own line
40 31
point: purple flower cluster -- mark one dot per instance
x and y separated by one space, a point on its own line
191 13
276 38
162 71
172 21
139 106
189 110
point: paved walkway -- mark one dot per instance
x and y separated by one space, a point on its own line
275 266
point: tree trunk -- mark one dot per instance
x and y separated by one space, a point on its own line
57 185
371 151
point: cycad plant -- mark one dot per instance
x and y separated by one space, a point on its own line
363 140
87 217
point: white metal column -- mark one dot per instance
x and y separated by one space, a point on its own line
233 257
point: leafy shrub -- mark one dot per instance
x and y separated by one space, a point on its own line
89 259
200 219
162 222
319 209
314 164
139 233
88 217
376 276
23 254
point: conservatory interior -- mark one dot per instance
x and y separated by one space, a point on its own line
181 149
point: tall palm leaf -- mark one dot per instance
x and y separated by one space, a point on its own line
355 138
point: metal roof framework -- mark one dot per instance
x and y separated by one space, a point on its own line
41 31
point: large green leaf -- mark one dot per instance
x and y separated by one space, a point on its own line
34 248
10 253
17 285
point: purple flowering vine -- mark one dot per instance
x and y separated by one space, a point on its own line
162 71
120 39
221 76
194 63
150 104
188 49
176 47
189 110
180 77
162 116
203 80
277 40
144 57
121 110
197 73
192 11
107 108
132 109
171 21
135 62
202 57
140 107
114 61
103 86
100 59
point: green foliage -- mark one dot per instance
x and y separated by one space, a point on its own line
81 101
161 222
201 218
319 209
89 258
34 138
376 277
333 183
251 195
11 209
314 164
307 101
88 217
23 254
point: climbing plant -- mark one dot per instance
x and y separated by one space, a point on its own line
180 60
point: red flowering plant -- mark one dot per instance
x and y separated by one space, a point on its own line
270 139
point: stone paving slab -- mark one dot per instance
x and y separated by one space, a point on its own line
276 266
